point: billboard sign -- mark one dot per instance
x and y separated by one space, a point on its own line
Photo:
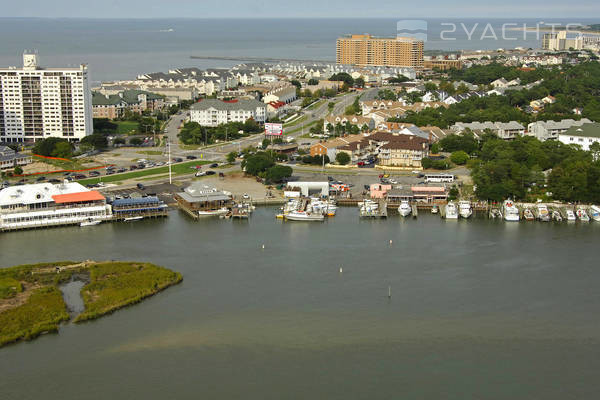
272 129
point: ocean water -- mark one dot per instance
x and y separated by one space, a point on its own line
124 48
480 309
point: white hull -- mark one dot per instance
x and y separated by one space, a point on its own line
511 213
595 213
451 212
299 216
213 213
404 209
90 223
133 219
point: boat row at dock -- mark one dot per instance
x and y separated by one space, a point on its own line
308 209
513 212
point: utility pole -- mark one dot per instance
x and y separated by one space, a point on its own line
169 161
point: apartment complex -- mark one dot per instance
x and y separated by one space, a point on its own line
212 112
369 50
36 103
136 101
557 41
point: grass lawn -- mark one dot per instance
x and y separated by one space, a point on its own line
177 169
127 127
114 285
151 152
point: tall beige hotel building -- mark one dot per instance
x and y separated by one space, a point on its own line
390 52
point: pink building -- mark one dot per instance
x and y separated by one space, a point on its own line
379 191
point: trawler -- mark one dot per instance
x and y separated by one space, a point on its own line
510 211
451 211
464 209
404 209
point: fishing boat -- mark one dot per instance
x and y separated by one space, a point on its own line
304 216
582 215
90 222
595 213
404 209
451 211
435 209
528 215
464 208
510 211
556 216
571 216
543 213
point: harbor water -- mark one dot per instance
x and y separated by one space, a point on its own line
478 309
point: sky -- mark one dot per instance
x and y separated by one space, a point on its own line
298 9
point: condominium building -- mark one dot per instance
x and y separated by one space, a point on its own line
550 130
557 41
36 103
369 50
212 112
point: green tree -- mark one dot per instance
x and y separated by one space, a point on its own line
313 82
257 163
342 158
63 149
459 157
96 140
231 156
18 170
277 173
136 141
359 82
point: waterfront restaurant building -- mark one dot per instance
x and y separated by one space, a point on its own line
45 204
37 103
199 199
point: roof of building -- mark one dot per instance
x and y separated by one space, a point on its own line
243 104
127 96
585 130
340 141
37 193
198 192
79 197
135 201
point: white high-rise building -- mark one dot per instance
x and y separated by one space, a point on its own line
37 103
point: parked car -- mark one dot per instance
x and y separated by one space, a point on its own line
215 165
210 173
54 180
177 159
94 173
221 175
121 170
40 179
140 186
191 157
80 176
133 167
200 173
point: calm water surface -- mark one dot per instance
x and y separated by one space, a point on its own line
479 309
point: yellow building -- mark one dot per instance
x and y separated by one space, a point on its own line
369 50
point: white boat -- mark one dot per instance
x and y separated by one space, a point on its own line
571 215
213 213
304 216
595 213
131 219
451 211
582 215
510 211
464 209
404 209
435 209
543 213
90 222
